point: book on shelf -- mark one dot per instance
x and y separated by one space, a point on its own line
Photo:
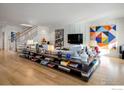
58 62
50 65
64 68
34 59
44 62
64 63
49 59
73 65
38 57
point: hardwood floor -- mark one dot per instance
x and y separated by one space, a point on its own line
15 70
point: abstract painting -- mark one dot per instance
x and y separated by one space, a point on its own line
105 36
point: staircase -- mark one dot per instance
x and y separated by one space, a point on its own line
28 34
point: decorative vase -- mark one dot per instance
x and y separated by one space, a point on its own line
59 54
68 56
84 56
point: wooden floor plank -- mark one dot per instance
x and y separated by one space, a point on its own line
15 70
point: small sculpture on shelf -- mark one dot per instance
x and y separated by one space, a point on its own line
43 41
59 54
68 56
84 56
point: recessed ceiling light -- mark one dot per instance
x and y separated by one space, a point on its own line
28 25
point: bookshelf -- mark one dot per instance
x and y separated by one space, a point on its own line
53 61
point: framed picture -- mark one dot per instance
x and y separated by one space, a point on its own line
59 38
13 36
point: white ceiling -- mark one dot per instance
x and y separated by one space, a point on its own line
56 14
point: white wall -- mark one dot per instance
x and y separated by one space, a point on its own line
43 32
83 27
36 34
70 29
1 40
7 29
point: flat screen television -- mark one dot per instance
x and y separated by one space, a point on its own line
75 38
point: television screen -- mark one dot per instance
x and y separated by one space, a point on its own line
75 38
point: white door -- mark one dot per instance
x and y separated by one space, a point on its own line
1 40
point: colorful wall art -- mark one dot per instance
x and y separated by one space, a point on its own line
105 36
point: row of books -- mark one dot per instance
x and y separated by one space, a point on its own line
47 62
68 63
50 62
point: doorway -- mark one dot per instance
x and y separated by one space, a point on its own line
2 40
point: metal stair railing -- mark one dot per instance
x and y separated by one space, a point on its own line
25 32
25 35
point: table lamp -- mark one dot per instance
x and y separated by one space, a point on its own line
51 48
29 43
92 50
93 43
